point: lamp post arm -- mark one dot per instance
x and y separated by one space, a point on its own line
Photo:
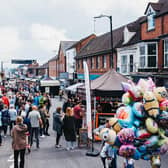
111 32
111 36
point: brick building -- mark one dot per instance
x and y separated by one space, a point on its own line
97 53
71 54
153 49
61 58
52 66
42 70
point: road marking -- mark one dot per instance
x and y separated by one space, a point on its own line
11 158
11 166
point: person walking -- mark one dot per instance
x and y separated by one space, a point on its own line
42 110
13 115
26 121
35 120
106 150
66 104
78 114
0 128
19 142
47 124
5 119
57 125
69 129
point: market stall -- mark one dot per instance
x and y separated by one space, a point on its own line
107 92
50 86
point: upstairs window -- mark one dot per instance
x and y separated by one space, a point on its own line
148 55
152 55
151 19
166 53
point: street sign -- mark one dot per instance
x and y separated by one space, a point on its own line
20 61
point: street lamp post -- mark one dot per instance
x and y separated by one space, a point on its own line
111 36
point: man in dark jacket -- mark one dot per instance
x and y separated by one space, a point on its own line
66 104
57 125
5 119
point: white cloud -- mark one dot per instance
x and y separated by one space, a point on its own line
47 37
34 28
93 7
9 43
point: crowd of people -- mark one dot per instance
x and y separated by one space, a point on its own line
25 113
68 120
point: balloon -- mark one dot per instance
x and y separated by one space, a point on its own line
126 136
125 116
125 86
164 105
151 104
151 125
153 140
136 155
127 99
127 150
160 93
163 120
114 124
142 134
164 149
138 109
151 85
108 135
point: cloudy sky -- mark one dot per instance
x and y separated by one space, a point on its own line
33 28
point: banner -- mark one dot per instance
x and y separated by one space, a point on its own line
88 100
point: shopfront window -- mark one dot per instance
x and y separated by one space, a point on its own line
131 66
104 63
124 64
166 53
142 56
97 64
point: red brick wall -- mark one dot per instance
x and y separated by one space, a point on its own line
145 34
61 63
161 28
100 69
52 68
160 54
165 23
84 42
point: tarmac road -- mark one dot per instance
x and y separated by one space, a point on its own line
50 157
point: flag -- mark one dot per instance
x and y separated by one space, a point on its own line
88 100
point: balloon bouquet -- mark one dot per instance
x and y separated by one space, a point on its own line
139 128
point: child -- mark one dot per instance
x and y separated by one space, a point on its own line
129 163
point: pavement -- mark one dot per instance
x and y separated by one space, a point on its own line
50 157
